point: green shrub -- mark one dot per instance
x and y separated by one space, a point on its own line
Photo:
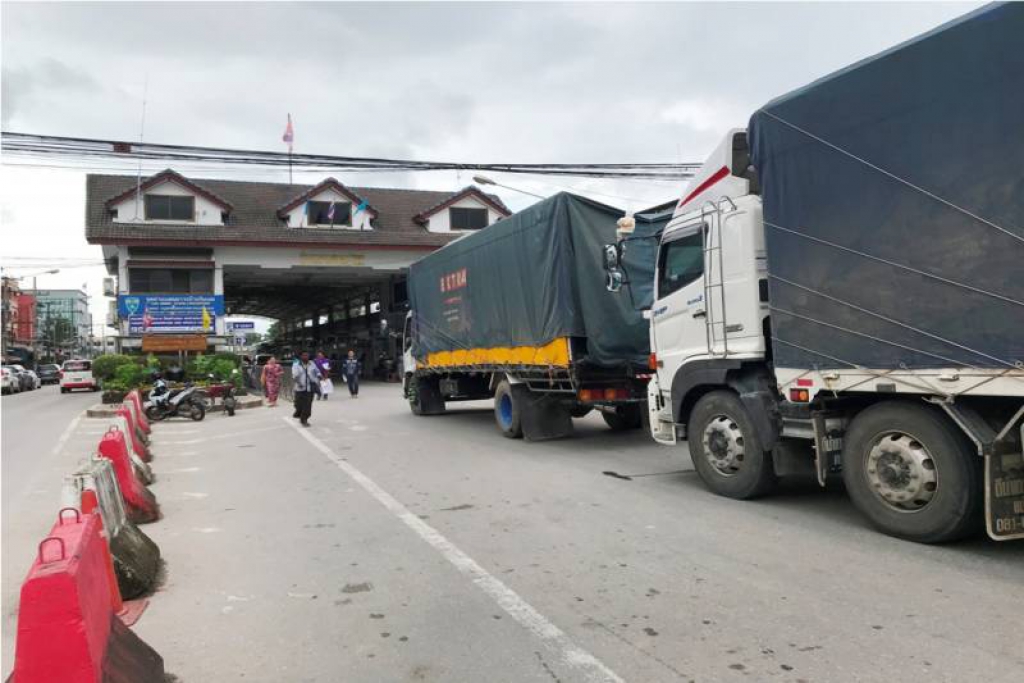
220 365
104 367
130 376
114 385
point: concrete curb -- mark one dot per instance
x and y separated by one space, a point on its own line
110 410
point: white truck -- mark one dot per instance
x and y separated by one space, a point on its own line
842 290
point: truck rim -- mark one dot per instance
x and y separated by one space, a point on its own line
723 445
505 411
902 472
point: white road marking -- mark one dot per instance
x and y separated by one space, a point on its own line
208 530
551 636
229 435
184 470
66 434
194 494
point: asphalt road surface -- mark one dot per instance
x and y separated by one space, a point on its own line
381 546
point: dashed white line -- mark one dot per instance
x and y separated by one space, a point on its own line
554 638
66 434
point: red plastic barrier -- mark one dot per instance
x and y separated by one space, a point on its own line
67 629
140 502
136 400
90 503
140 448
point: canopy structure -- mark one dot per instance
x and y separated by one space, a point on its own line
894 204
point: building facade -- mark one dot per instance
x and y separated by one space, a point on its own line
327 261
63 324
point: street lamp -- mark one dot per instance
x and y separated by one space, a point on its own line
484 180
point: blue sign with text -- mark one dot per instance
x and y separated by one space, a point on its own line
174 313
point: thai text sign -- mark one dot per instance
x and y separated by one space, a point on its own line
157 313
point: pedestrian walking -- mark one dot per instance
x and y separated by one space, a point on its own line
307 383
350 368
324 366
270 379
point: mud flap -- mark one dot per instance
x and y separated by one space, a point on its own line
1004 496
544 417
659 414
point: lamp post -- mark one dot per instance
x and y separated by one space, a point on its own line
484 180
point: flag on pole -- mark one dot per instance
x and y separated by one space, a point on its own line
289 133
206 318
359 209
330 213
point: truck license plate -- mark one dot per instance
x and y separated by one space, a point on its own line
1004 479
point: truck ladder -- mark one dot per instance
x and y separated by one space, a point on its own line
711 216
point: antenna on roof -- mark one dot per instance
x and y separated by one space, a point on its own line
142 133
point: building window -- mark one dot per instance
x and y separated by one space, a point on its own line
166 207
467 219
170 280
319 213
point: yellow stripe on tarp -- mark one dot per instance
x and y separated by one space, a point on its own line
553 353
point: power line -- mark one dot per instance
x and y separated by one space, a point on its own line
46 147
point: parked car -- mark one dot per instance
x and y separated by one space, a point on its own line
49 373
36 383
11 384
77 374
26 382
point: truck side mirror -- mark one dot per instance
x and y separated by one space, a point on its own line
613 281
612 257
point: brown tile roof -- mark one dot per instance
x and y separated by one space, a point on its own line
471 191
174 177
330 183
254 218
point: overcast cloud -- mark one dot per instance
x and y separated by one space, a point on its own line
447 81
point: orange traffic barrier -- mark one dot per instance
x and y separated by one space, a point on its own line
135 434
134 398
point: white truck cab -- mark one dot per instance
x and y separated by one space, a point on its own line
923 452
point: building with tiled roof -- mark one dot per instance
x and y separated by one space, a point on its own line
187 252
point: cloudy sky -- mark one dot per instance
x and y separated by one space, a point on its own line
494 82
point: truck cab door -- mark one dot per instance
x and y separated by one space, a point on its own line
408 361
679 313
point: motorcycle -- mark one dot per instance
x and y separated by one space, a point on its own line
225 392
164 403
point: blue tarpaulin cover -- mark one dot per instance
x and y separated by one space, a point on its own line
894 204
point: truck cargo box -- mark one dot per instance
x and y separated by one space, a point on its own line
527 288
893 198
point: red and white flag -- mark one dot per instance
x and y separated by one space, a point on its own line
289 133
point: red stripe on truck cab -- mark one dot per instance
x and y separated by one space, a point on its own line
719 174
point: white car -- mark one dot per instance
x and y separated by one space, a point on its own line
36 382
77 374
10 383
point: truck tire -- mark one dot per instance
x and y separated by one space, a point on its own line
425 396
507 411
623 417
912 473
726 449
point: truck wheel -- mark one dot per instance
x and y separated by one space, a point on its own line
425 396
623 417
507 411
726 450
912 473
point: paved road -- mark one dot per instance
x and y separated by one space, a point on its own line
33 425
380 546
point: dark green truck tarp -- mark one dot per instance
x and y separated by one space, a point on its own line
534 277
894 204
